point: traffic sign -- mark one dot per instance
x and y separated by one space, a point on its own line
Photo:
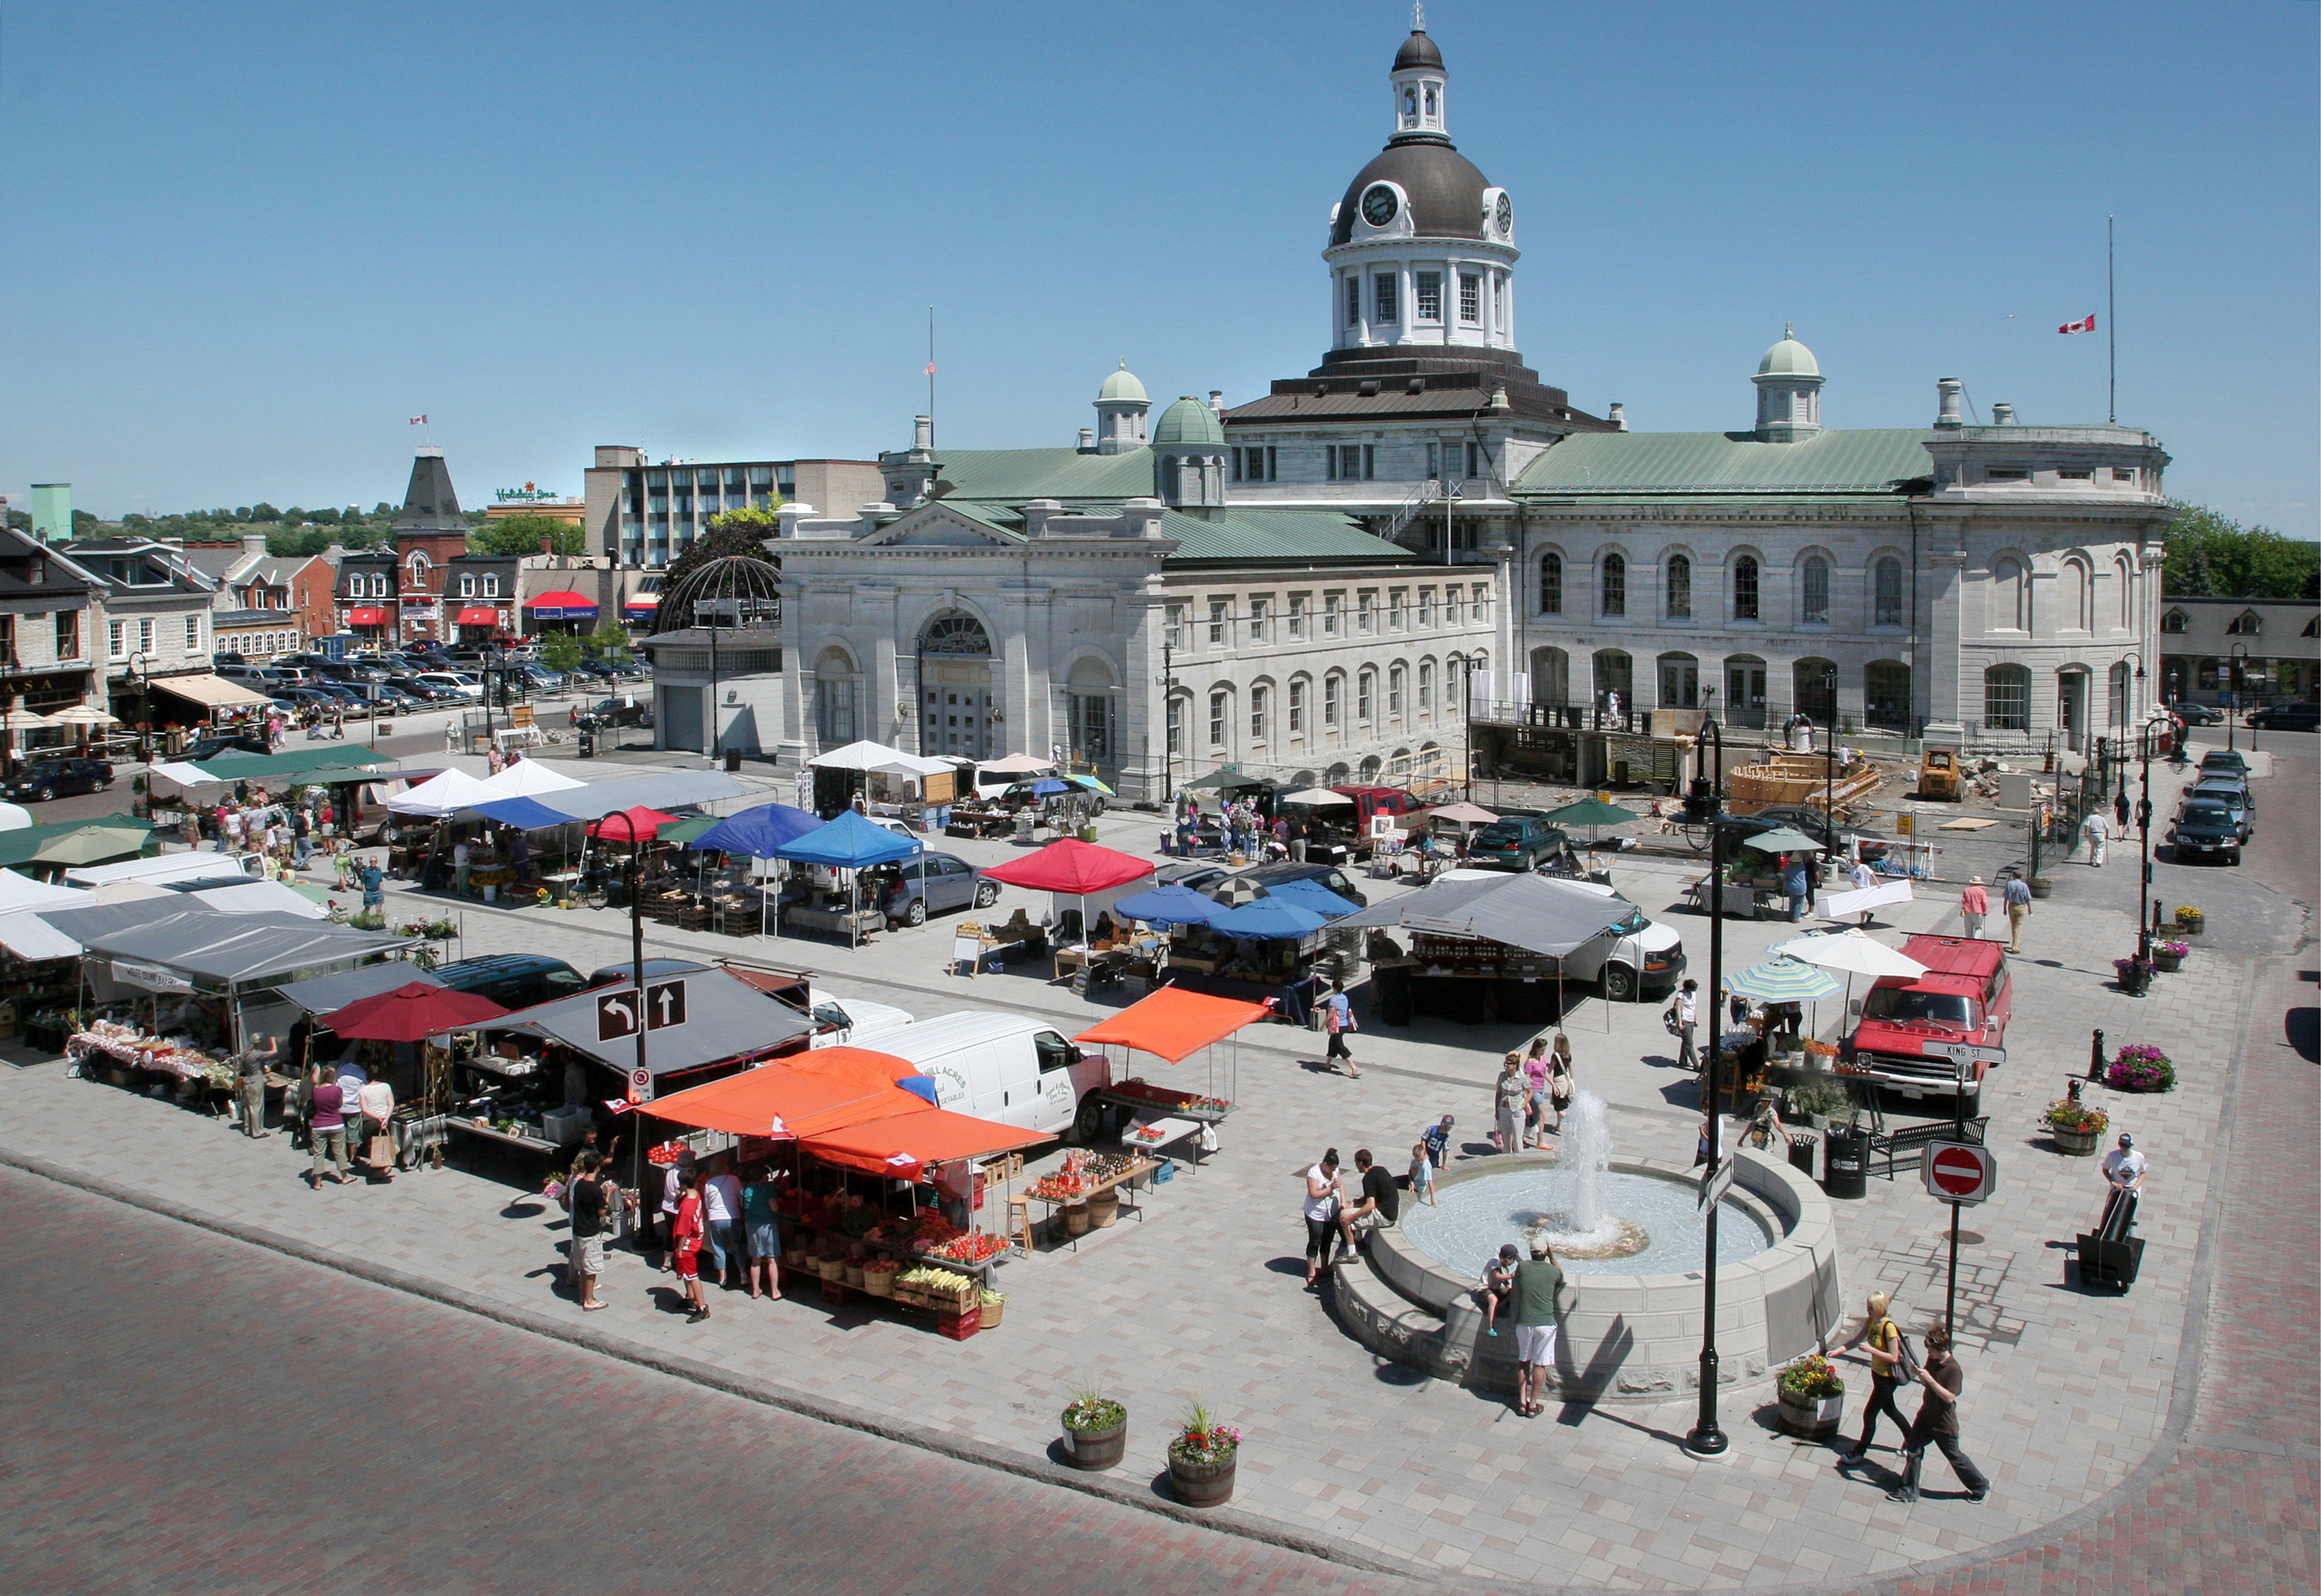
616 1016
1960 1171
640 1086
1967 1054
664 1005
1715 1182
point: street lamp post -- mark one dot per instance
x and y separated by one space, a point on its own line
636 966
2143 824
2239 653
1705 803
143 678
1829 771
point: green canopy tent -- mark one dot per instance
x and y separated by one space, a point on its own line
1594 813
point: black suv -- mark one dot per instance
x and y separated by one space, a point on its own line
2206 829
53 778
513 981
2287 718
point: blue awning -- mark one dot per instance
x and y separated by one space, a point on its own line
849 843
759 832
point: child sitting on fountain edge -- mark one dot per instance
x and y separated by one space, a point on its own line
1498 1285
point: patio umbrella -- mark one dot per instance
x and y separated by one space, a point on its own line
690 830
90 844
1223 781
84 714
1782 981
410 1013
617 827
1045 786
1313 798
1849 952
1310 895
1170 906
1464 814
1782 839
1593 813
1090 784
1270 918
1018 762
21 719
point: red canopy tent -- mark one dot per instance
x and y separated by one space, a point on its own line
1174 1023
1071 866
410 1013
616 827
826 1089
903 1146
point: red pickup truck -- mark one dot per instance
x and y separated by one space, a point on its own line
1965 996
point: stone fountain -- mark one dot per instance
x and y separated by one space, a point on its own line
1630 1238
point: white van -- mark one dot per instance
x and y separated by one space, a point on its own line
1003 1067
852 1020
1642 959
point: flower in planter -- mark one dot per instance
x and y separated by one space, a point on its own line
1201 1439
1811 1378
1091 1410
2133 971
2174 950
2186 915
2066 1115
2142 1068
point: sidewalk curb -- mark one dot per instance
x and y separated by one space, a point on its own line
1224 1520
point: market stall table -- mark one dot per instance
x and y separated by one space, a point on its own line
1061 1192
1152 1134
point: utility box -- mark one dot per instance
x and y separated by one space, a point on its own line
2014 789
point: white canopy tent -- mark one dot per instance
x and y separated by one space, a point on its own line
444 794
527 778
877 757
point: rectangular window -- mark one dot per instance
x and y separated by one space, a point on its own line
2087 476
2007 698
1426 606
1425 688
491 586
1353 302
1679 589
1474 459
1430 296
1173 633
1498 299
1744 590
1471 298
1818 590
1256 621
1362 686
1350 462
1330 700
1451 606
2122 473
1218 704
1297 708
1483 602
1330 614
1177 726
1382 297
67 635
1297 616
2005 474
1890 593
1366 612
1218 614
1396 603
193 634
466 586
1258 707
1256 463
1394 691
145 637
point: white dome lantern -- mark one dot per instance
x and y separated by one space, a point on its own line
1788 391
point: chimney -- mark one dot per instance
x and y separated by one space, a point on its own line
1036 512
1619 416
253 542
1088 438
1217 400
1949 387
922 432
2002 415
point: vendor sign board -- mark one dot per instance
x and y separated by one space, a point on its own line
151 978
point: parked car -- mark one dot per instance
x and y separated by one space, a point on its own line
258 679
2230 760
949 883
620 712
1269 876
342 692
451 686
2287 718
2205 829
1195 875
54 778
1517 842
594 670
2232 793
227 743
2199 715
1967 994
513 981
538 678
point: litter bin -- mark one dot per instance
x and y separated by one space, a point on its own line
1847 1170
1801 1151
587 745
732 761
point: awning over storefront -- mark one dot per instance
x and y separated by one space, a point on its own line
480 617
641 603
211 692
562 606
366 618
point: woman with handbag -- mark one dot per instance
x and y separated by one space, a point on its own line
1887 1350
1562 1087
376 1099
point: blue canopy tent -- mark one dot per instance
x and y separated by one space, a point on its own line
852 843
759 833
1310 895
1170 906
1268 918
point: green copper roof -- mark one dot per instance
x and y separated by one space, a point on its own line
1121 385
1788 358
1274 534
1189 421
1045 473
1859 462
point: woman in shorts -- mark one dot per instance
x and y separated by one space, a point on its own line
761 1239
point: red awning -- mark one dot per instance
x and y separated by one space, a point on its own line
903 1147
1174 1023
480 617
1070 865
564 598
638 824
827 1089
366 618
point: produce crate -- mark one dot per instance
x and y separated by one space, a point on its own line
958 1327
835 1295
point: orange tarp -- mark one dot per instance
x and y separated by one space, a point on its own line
1174 1023
826 1089
903 1147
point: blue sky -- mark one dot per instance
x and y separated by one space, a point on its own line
252 239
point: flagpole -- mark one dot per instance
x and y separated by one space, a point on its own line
931 374
2111 314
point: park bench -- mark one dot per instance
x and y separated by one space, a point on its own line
1906 1143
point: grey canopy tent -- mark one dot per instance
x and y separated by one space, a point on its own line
725 1017
1551 918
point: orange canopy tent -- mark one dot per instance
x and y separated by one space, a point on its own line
1174 1025
903 1146
826 1089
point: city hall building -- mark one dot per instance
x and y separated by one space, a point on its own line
1419 551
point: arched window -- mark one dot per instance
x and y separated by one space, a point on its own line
2126 575
2010 597
1744 589
1615 585
955 635
1221 719
1680 588
1332 689
1816 591
1551 585
1296 706
1394 680
2078 610
2007 698
1886 593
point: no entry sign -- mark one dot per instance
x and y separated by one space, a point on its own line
1960 1171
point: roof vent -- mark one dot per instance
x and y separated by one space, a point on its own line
2002 415
1618 416
1416 385
1369 388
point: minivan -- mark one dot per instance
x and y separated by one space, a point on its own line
1003 1067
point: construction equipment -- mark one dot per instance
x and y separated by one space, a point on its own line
1938 772
1804 779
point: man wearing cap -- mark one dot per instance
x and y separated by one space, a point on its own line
2123 1172
1538 1283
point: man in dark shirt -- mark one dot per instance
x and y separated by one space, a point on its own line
1940 1382
586 1197
1380 1201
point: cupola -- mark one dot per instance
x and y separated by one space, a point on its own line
1120 408
1788 391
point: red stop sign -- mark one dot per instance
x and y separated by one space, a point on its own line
1958 1172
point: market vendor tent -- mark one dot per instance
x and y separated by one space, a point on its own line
725 1018
412 1012
22 892
757 832
877 757
824 1090
1173 1023
324 993
1312 896
905 1146
1544 917
1072 867
445 793
216 949
526 777
851 842
672 789
1169 905
161 868
1269 919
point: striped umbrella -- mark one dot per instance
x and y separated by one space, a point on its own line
1782 981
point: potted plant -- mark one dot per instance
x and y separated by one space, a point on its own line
2170 956
2141 1068
2135 975
1817 1102
2040 885
2076 1127
1201 1460
2189 921
1812 1397
1096 1430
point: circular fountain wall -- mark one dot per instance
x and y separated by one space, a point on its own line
1632 1242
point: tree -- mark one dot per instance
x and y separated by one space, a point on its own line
2212 556
85 524
523 534
610 637
736 531
20 520
559 652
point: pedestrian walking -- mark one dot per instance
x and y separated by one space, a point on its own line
1422 1176
1881 1338
1536 1068
1793 885
302 833
1338 1020
1863 877
1508 1104
374 888
761 1236
685 1244
672 1197
2121 811
1437 1141
1974 903
519 854
1321 1212
327 1128
1683 1015
2122 1173
1940 1383
588 1194
252 1085
2096 830
2018 909
1539 1281
1298 841
1562 1085
721 1203
376 1099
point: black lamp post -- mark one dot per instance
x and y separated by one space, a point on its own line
1705 804
636 963
1829 776
2151 732
2239 669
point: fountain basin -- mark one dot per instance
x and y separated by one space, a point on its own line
1626 1336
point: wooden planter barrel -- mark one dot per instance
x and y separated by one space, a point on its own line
1095 1449
2079 1143
1203 1484
1815 1418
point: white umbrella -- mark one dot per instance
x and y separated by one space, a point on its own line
1463 813
21 719
84 714
1851 952
1315 798
1018 763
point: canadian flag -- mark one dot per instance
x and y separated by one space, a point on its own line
421 421
2088 326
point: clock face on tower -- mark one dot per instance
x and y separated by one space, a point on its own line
1378 205
1507 216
